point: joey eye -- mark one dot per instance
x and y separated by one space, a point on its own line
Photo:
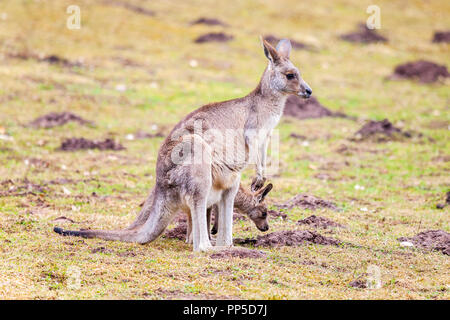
290 76
264 214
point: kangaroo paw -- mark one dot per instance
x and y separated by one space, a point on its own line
204 247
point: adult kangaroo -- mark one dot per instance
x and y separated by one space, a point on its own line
199 165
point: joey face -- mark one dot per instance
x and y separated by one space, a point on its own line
259 217
258 213
284 77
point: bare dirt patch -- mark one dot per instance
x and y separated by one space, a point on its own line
73 144
307 201
131 7
358 283
447 201
238 253
288 238
350 150
421 70
438 124
102 250
380 131
441 158
124 254
21 188
319 222
273 40
363 35
54 59
63 219
298 136
214 37
437 240
55 119
180 295
308 108
441 37
50 59
209 22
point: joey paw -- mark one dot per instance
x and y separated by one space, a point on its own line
258 183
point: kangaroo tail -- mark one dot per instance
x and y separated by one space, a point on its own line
120 235
159 218
144 213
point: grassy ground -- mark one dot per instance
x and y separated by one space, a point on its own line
153 57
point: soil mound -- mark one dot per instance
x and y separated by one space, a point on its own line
145 135
73 144
238 253
276 214
209 22
54 59
422 70
319 222
179 232
54 119
432 240
307 201
441 36
364 35
214 37
380 131
447 202
308 108
273 40
288 238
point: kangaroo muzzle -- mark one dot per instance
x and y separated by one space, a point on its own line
305 90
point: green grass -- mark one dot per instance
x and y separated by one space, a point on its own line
402 180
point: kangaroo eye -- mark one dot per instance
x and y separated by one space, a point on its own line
290 76
264 214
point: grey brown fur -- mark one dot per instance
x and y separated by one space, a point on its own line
249 203
193 186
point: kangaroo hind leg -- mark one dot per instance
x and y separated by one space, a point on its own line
200 236
225 215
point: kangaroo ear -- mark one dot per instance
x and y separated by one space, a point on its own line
270 52
264 192
284 48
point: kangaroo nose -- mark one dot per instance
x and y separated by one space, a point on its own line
308 91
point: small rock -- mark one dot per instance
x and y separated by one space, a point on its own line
193 63
121 87
406 244
66 191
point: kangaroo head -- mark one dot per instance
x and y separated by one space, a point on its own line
258 213
283 76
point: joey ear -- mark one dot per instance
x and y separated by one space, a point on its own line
284 48
270 52
264 192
